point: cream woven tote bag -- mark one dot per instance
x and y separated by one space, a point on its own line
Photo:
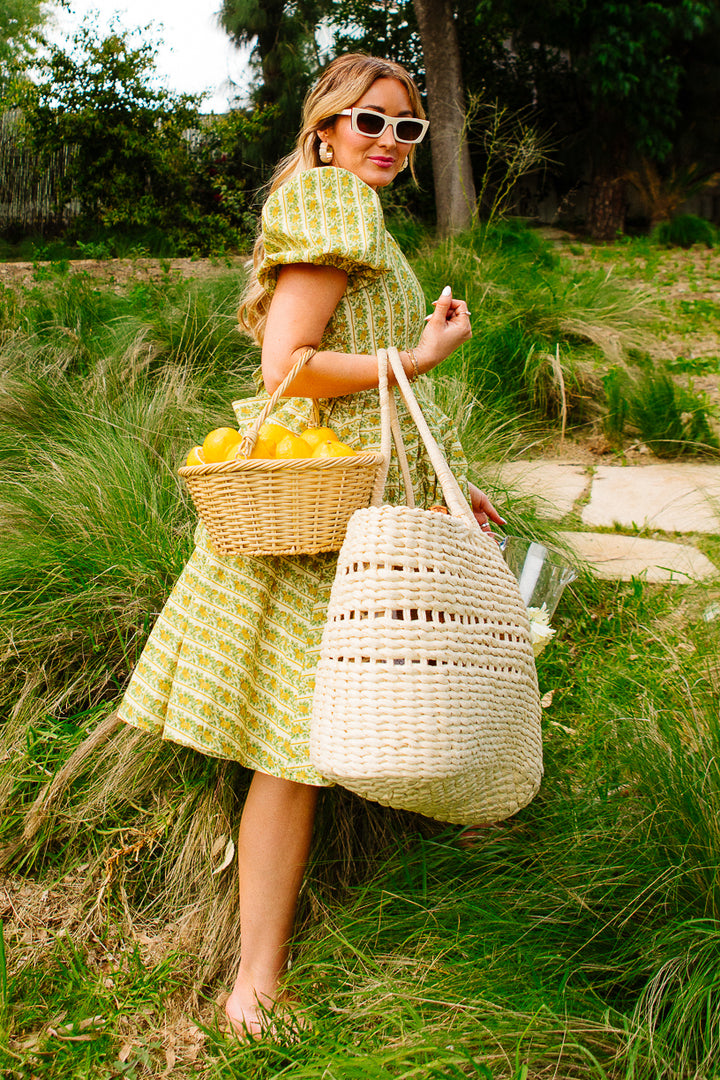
426 694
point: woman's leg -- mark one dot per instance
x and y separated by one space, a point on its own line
273 848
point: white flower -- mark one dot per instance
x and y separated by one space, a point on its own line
540 629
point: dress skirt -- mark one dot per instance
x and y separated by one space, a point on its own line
229 667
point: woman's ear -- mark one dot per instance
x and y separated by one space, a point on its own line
325 133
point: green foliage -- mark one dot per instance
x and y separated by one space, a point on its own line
129 156
106 397
583 930
626 60
684 231
283 39
410 232
285 56
611 81
636 62
387 30
105 391
616 385
671 420
72 1004
540 328
578 939
21 24
138 158
225 177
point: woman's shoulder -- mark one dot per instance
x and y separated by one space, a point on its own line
321 191
325 216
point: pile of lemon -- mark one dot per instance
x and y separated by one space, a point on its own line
274 441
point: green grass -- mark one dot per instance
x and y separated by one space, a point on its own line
685 278
70 1014
580 939
665 404
531 309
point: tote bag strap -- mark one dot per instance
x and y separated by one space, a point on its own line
390 428
456 501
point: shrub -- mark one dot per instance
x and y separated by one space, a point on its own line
684 231
136 158
671 420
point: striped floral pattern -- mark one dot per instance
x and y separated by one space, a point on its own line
229 667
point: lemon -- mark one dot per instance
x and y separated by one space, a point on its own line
272 433
263 448
333 448
313 436
221 444
269 435
292 446
196 456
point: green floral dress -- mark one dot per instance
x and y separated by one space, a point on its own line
229 666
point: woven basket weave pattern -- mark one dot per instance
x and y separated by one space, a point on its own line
259 507
281 506
423 647
426 693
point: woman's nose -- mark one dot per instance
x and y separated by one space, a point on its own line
388 137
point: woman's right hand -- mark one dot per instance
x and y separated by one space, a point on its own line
446 329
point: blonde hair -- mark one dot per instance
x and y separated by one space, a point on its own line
344 81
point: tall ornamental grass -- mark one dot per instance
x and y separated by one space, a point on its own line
542 331
96 518
579 939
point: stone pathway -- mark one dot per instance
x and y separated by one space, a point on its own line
667 498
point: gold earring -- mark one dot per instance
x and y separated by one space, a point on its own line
404 164
325 153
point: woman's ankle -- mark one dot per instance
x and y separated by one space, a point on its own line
257 984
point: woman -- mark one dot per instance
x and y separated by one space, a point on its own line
229 666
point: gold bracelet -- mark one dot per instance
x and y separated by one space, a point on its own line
416 370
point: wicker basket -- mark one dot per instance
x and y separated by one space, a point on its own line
426 693
281 507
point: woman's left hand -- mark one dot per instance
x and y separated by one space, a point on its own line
446 329
483 509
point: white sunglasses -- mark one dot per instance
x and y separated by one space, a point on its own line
406 129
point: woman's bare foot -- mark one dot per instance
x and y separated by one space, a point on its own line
248 1010
251 1015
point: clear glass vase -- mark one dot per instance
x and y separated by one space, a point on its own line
542 573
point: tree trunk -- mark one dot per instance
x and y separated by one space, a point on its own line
452 172
607 206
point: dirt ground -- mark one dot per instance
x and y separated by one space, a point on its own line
121 271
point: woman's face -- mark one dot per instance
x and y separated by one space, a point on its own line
377 161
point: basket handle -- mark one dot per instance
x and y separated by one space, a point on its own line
251 435
456 501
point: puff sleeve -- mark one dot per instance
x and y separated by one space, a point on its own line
326 216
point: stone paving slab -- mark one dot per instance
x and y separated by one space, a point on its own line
620 558
557 487
672 498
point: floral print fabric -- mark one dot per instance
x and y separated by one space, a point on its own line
229 666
